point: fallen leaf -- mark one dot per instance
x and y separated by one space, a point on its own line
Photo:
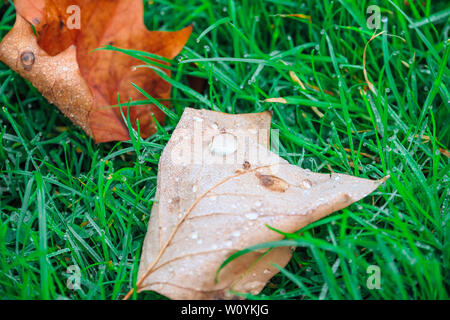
218 188
61 63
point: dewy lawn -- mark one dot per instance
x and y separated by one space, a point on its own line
76 212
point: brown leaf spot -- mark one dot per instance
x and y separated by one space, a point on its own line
176 201
27 59
246 165
272 183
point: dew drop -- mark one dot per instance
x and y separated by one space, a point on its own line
306 184
27 58
251 216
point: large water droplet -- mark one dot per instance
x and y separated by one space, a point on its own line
223 144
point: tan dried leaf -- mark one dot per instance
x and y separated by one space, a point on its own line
214 199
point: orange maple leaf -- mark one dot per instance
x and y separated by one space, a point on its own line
60 61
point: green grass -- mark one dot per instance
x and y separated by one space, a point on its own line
66 201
